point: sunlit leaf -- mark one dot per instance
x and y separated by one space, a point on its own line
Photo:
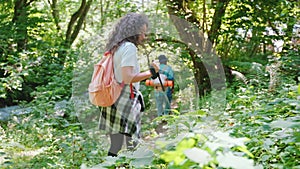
283 123
213 145
109 161
185 143
224 137
245 150
175 156
230 160
197 155
139 162
142 156
267 143
265 157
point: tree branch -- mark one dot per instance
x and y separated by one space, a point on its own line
72 22
28 3
217 20
80 21
55 13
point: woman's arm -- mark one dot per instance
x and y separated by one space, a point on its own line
130 77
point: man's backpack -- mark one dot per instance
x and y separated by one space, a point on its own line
104 90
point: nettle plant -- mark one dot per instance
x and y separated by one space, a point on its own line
271 122
188 142
193 141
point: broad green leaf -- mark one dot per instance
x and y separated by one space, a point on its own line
142 152
282 123
225 139
252 98
109 161
163 142
139 162
198 155
185 143
281 134
175 156
267 143
201 112
292 102
142 156
213 145
265 157
229 160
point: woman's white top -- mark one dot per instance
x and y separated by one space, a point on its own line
126 55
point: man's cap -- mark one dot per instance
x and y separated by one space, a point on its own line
162 58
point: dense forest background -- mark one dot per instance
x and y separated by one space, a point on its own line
48 47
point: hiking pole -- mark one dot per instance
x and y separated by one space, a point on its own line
162 86
152 70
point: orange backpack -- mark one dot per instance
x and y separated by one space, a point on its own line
104 90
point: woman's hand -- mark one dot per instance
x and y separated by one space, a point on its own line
155 65
154 70
129 76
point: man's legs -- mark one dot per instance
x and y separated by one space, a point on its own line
168 99
159 96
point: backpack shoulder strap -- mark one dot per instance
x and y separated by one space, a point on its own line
131 91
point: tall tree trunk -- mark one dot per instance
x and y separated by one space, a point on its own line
200 73
208 69
204 16
20 19
74 27
55 13
217 20
76 22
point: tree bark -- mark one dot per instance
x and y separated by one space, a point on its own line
55 13
217 20
74 27
76 22
80 22
189 36
20 19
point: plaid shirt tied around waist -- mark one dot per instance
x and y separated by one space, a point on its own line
124 116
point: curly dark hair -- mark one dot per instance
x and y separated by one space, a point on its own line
127 29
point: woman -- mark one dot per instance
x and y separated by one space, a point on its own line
122 119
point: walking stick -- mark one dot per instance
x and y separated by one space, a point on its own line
153 71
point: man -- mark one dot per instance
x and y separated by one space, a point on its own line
163 99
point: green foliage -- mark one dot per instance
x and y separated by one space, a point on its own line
246 28
218 149
46 141
258 128
271 123
59 84
23 70
13 80
291 65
